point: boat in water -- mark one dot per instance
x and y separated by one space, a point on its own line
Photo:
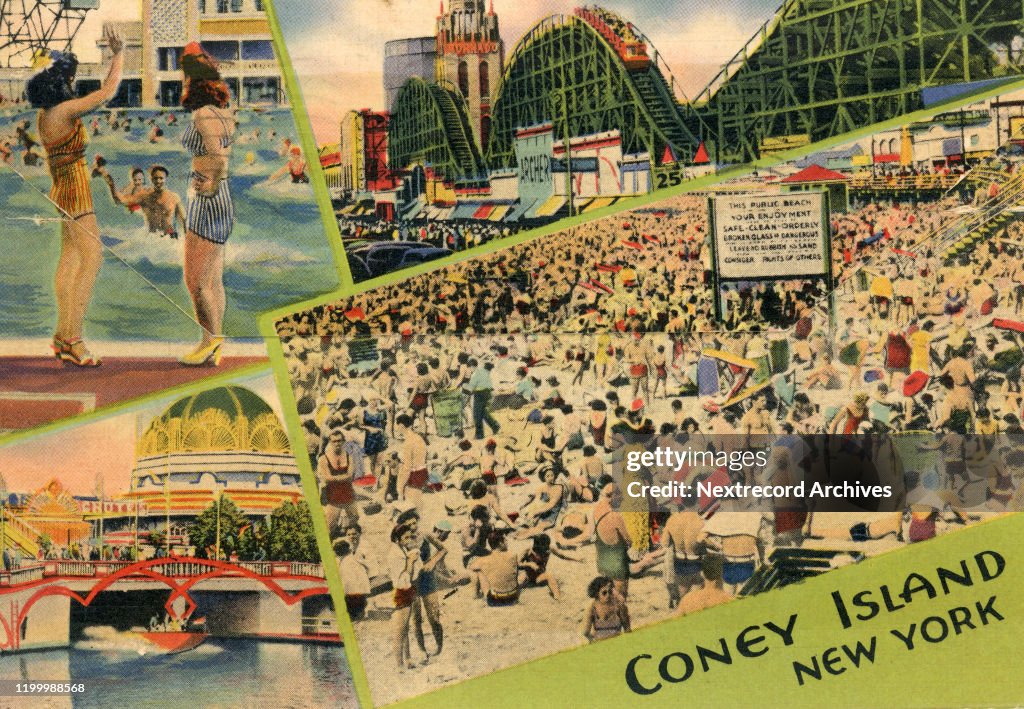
175 636
172 642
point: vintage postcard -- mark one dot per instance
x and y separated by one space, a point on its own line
670 353
661 358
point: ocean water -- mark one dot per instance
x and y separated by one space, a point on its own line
218 673
278 253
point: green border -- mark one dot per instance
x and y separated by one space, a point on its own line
252 371
126 404
975 668
293 424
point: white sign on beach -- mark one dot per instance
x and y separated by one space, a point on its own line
770 236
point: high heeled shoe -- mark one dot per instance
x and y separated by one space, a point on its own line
204 354
64 350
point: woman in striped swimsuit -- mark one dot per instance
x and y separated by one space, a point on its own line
64 139
211 215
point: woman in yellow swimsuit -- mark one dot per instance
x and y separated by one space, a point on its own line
64 138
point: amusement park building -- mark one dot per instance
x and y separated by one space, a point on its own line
471 56
224 442
405 59
234 32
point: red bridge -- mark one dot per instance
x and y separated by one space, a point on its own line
281 599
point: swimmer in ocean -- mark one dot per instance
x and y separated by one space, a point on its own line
160 206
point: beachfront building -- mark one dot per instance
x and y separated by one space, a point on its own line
235 32
221 444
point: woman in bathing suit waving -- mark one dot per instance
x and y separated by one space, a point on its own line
64 138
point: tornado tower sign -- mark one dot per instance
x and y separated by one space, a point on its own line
758 237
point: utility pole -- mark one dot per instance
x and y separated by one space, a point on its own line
3 515
219 495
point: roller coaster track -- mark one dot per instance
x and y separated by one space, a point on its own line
430 123
27 26
565 72
821 68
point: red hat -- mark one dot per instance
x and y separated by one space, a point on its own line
637 405
197 64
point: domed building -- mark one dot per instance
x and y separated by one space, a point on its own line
225 441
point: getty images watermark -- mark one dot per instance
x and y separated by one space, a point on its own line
675 461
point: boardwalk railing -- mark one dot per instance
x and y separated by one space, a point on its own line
173 567
25 574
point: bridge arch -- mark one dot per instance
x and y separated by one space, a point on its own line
180 575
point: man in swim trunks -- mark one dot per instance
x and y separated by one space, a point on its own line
355 577
403 568
160 206
611 538
682 536
496 576
412 476
711 593
638 357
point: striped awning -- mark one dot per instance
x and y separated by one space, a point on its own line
599 202
465 210
550 206
484 211
498 212
518 211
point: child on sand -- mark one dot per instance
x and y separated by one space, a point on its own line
533 565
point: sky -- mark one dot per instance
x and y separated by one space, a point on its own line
109 11
84 44
337 46
76 454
